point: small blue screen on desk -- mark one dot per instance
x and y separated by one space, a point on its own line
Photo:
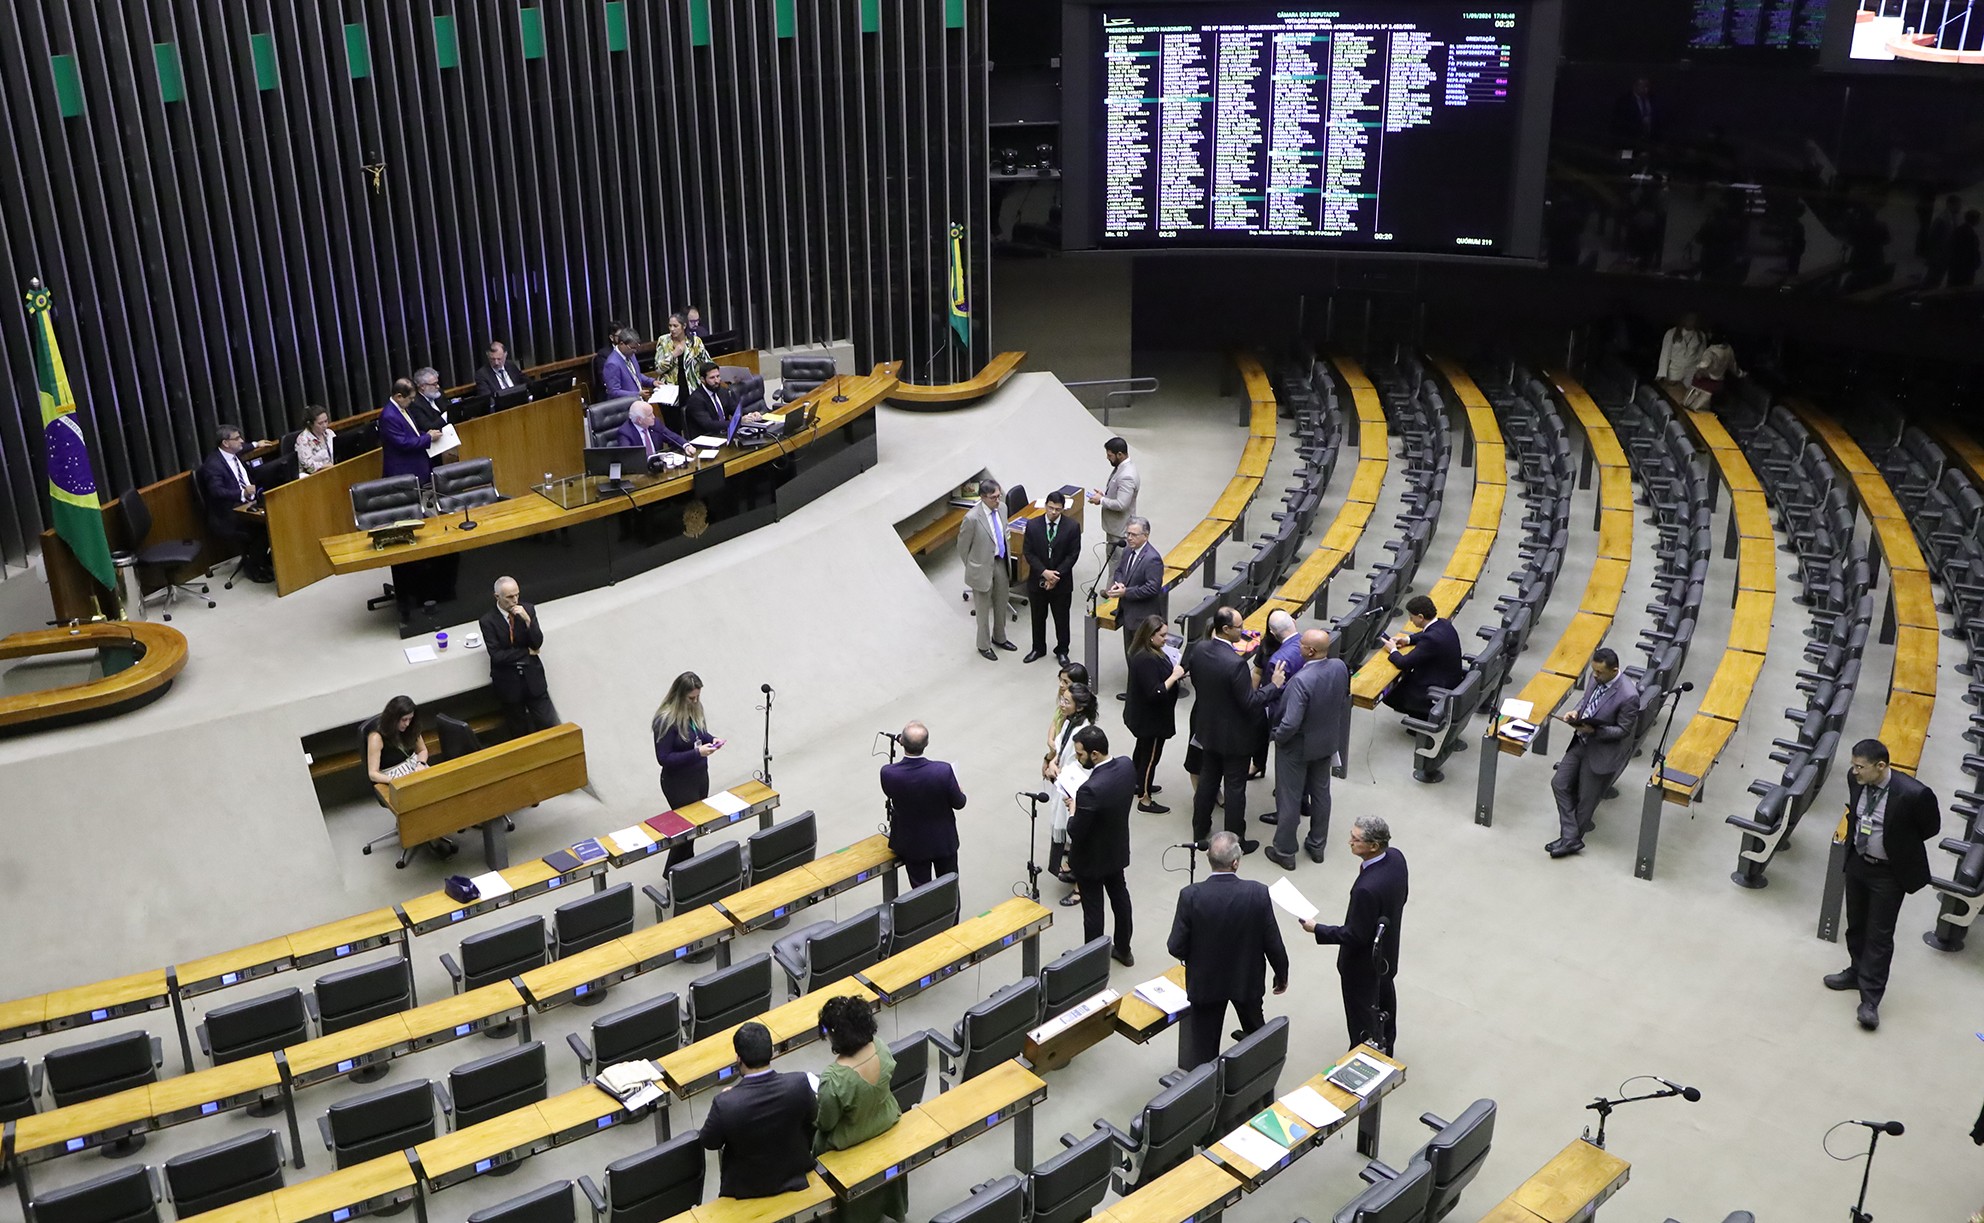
723 1074
892 1172
340 1214
992 1121
458 914
582 991
75 1144
208 1110
1008 940
346 1065
229 978
779 912
96 1016
464 1029
344 950
603 1122
680 952
483 1165
554 881
925 983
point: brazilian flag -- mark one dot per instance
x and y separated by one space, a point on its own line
960 301
78 516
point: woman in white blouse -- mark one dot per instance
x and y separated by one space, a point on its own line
313 445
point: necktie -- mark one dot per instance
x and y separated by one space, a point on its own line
502 378
999 534
1050 533
1591 701
240 474
513 627
647 439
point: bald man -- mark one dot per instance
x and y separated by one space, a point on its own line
924 800
512 636
1311 731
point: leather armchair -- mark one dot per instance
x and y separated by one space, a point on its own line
468 483
603 419
799 375
379 503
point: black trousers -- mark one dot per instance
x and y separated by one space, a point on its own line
1199 1034
681 794
1873 905
1145 758
526 699
1214 768
1094 887
1370 1008
924 871
1412 705
1056 601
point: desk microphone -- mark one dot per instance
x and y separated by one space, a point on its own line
1687 685
1690 1094
1038 796
765 688
1198 845
1893 1129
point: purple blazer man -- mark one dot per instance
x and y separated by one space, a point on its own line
403 444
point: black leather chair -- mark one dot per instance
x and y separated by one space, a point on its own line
799 375
647 1030
381 503
776 850
1455 1153
1177 1121
351 996
1071 1184
1074 976
259 1025
491 1086
20 1084
603 419
103 1067
709 876
659 1183
991 1032
497 955
1000 1201
379 1123
546 1204
912 1073
469 483
225 1173
126 1196
1399 1199
750 386
590 921
828 951
730 996
1248 1073
163 557
919 913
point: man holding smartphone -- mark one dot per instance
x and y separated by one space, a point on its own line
1598 751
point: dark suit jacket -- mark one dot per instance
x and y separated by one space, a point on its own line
1313 720
1151 710
1435 662
1608 747
1223 713
403 444
428 413
1099 829
706 417
220 492
1913 816
1143 587
514 671
764 1128
1224 932
485 378
926 798
1378 893
1060 558
663 437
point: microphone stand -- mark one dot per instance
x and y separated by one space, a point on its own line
1033 846
765 762
467 523
1604 1107
1859 1214
1673 702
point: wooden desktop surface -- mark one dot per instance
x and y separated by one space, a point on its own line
386 1034
148 986
1192 1190
697 1066
902 1143
457 794
1139 1020
1576 1179
934 957
815 1200
965 1108
660 942
164 657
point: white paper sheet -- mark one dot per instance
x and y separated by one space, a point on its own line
706 441
1308 1104
1290 900
448 441
1255 1147
420 653
1514 708
491 885
631 840
665 393
1164 994
726 802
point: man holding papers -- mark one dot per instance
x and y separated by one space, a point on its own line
1224 932
1367 941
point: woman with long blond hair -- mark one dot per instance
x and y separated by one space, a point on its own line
683 746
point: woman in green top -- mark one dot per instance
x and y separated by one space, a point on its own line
856 1103
679 356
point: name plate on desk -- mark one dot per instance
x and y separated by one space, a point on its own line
394 534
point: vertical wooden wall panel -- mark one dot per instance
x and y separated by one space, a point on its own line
259 241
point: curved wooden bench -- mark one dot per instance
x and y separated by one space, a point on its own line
1702 740
1200 545
161 656
1338 545
951 394
1484 522
1568 659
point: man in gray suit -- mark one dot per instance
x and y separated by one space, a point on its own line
1138 582
1118 497
1313 729
984 546
1598 752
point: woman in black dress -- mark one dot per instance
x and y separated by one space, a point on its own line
1150 713
391 744
683 746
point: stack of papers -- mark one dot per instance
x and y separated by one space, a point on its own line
491 885
1518 731
664 393
1164 994
1255 1147
1290 900
1360 1075
725 802
635 1084
1283 1131
631 841
1308 1104
448 441
420 653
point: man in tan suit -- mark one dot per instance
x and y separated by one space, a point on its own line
985 547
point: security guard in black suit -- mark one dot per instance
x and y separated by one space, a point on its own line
1892 817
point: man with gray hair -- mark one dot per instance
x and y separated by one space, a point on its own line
1138 581
1367 941
1311 733
643 430
1225 934
429 409
511 636
985 546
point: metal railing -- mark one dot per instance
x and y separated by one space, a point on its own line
1125 389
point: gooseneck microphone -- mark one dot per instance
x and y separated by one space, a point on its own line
1038 796
1893 1129
765 688
1198 845
1690 1094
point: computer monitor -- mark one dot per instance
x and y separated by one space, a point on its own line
612 461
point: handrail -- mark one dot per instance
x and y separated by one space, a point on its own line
1132 386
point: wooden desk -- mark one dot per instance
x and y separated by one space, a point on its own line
1905 728
1749 625
777 897
979 1104
910 972
347 1193
678 938
572 977
1000 927
949 394
1752 514
713 1059
344 937
1139 1020
1545 691
486 785
188 1097
453 1158
461 1014
1234 500
1729 689
1369 479
1914 600
1254 457
160 656
864 1168
1615 535
1585 633
1694 753
1604 588
327 1057
1194 1190
759 799
929 1130
1361 1111
1571 1187
1915 661
800 1206
853 865
214 972
1484 513
22 1017
433 911
1615 489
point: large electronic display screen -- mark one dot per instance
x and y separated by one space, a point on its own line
1380 125
1908 36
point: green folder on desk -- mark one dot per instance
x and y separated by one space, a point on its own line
1285 1132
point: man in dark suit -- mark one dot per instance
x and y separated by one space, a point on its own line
1099 837
709 409
924 801
225 485
429 409
763 1126
1599 750
1052 546
1893 816
643 430
499 376
1311 731
512 637
1435 661
1367 941
1225 935
1138 582
1223 721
